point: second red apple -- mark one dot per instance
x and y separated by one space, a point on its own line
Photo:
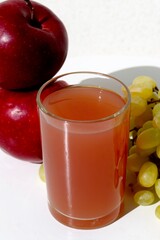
19 123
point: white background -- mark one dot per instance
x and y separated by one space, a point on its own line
110 27
104 35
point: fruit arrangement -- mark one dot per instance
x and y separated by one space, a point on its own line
33 47
144 150
143 165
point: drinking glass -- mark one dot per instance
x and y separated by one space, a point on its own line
84 119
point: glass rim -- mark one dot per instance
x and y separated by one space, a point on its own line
53 79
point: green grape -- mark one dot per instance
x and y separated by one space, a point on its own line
157 211
144 117
158 151
132 149
41 173
132 123
156 120
138 105
148 138
141 89
148 174
145 152
135 162
147 124
156 109
154 96
144 80
140 130
157 187
144 197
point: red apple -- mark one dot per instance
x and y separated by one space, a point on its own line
33 44
19 123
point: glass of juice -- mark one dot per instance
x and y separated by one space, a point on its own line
84 118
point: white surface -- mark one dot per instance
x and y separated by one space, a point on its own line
24 212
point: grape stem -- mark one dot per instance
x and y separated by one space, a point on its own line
134 129
153 101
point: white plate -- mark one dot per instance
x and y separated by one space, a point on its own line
24 212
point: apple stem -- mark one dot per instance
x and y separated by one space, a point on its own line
33 21
28 2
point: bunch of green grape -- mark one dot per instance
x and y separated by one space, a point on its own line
144 141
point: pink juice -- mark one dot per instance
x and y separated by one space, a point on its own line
84 159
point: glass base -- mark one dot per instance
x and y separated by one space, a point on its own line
85 223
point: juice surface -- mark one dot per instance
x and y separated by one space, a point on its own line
85 170
83 103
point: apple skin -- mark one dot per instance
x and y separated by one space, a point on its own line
19 123
31 50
